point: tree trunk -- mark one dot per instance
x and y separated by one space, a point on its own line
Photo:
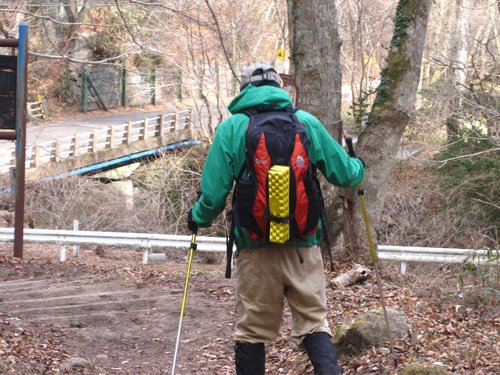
379 143
457 56
315 59
315 62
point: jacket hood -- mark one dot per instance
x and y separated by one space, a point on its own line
252 96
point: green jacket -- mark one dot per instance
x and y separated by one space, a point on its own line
226 157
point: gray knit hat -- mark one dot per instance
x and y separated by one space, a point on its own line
258 75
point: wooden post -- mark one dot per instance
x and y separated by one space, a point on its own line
162 125
108 131
175 122
75 145
94 141
111 137
36 156
129 132
144 128
41 103
57 151
188 119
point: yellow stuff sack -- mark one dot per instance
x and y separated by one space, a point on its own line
279 202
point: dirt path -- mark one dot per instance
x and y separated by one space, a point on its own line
122 316
120 322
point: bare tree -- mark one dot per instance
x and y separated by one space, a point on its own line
315 59
365 29
394 103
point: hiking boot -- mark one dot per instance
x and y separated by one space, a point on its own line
322 354
250 359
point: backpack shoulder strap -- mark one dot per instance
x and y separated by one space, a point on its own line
250 111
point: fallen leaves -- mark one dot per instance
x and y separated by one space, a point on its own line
458 334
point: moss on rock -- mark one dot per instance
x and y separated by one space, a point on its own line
423 370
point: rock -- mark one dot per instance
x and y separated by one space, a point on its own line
423 370
77 363
369 330
18 323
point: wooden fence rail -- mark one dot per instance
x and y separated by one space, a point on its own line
100 139
37 109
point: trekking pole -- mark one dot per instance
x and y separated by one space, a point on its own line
373 253
192 249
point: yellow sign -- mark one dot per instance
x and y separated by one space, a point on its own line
281 54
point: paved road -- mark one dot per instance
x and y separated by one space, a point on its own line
51 130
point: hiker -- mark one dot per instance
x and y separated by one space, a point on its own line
267 273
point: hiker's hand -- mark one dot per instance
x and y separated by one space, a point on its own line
192 226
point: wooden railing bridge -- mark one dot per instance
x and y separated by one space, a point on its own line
84 148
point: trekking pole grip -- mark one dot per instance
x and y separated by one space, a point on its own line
352 154
350 147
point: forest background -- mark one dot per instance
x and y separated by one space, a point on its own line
444 195
196 50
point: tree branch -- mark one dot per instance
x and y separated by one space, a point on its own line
57 21
130 32
443 162
125 23
173 10
222 41
491 204
70 59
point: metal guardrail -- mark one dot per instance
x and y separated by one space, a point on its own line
101 139
121 239
406 254
149 241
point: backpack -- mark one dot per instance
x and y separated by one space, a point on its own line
276 147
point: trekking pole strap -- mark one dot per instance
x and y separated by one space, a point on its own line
327 224
350 147
229 246
229 258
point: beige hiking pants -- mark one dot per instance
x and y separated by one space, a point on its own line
264 278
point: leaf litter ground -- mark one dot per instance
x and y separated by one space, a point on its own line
122 316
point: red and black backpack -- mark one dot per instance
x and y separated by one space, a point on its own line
275 137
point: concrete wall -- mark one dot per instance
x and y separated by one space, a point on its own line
139 88
107 81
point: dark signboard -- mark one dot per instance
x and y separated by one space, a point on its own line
8 65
